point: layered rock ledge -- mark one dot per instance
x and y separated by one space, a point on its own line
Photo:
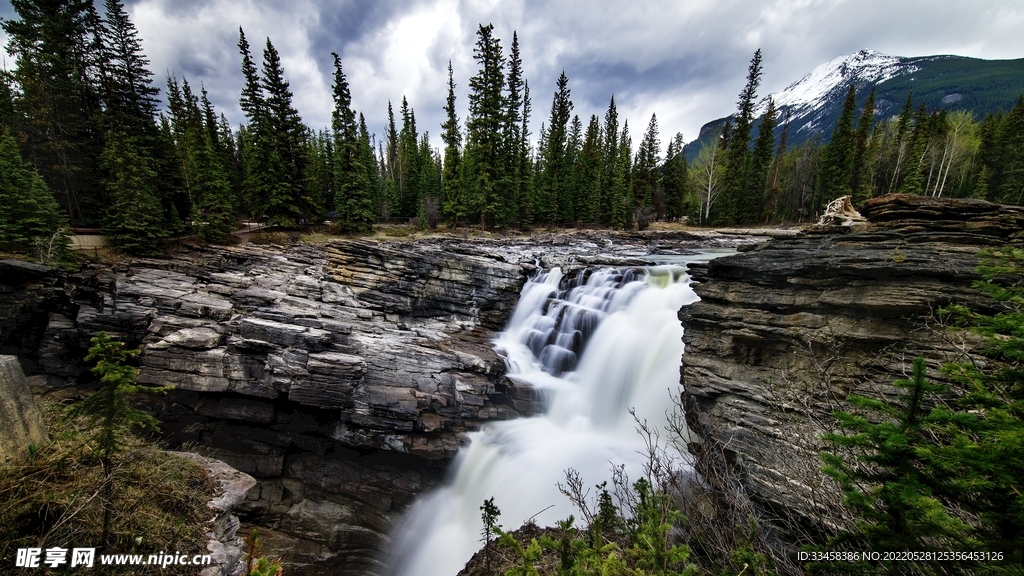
343 377
783 333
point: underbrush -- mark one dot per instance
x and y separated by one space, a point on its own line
54 499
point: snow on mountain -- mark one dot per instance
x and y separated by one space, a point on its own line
831 80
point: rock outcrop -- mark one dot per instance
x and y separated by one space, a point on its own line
21 425
342 377
225 546
785 332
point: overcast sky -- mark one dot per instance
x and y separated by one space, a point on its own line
685 60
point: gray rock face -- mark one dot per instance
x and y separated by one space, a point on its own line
343 378
20 421
784 333
298 366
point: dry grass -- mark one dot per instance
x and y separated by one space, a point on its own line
54 499
269 238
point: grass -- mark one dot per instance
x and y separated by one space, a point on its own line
52 499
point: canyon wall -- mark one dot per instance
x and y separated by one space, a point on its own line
784 332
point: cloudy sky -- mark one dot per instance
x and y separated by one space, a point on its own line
685 60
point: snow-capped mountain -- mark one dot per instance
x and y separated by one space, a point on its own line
831 80
814 102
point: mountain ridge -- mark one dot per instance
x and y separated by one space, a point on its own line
947 81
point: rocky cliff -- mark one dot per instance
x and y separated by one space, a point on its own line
343 377
785 332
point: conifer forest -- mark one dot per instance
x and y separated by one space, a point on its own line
89 142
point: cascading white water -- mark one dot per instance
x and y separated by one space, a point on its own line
608 341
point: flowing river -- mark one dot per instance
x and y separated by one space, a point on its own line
595 344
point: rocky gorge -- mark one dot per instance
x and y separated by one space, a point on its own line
342 376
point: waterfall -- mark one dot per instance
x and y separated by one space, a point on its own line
594 345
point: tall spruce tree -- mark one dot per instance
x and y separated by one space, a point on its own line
752 208
737 158
646 177
551 188
454 202
609 200
590 161
409 160
483 126
29 209
57 51
353 200
860 176
513 168
288 201
837 167
675 180
133 221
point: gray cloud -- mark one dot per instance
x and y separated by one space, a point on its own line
685 60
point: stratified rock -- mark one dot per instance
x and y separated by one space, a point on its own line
784 333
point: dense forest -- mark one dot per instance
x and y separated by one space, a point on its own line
87 142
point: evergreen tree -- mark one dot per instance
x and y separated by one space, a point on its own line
408 175
254 143
751 210
354 203
675 179
551 189
130 97
894 485
370 164
913 181
29 210
590 160
609 200
454 202
288 200
1009 189
514 168
622 203
133 221
837 167
391 203
860 177
483 138
737 150
645 174
56 46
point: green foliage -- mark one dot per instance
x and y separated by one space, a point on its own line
133 222
109 409
353 193
256 564
30 212
938 471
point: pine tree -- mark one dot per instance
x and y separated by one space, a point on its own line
913 181
645 174
608 200
29 210
130 97
370 164
483 126
133 221
254 144
894 483
454 202
737 150
390 204
837 167
408 175
354 203
57 53
751 209
860 178
288 201
551 190
675 179
513 167
591 157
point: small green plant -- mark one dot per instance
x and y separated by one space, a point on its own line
896 255
256 564
489 514
109 411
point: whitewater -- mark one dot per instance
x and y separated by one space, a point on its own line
594 345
